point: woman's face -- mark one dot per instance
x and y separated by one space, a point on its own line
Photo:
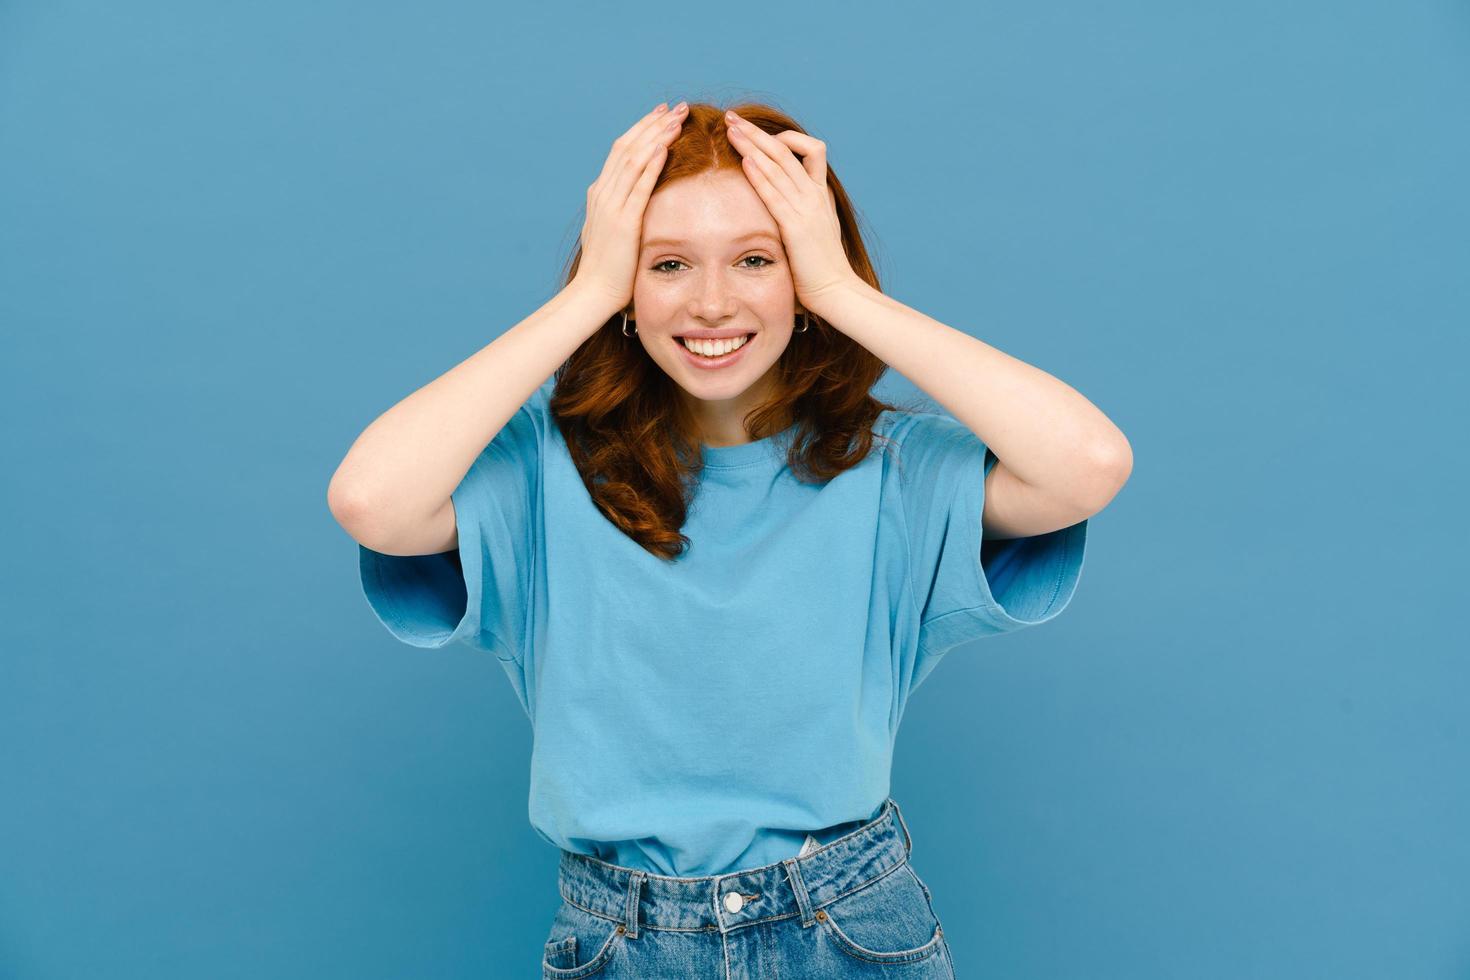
711 258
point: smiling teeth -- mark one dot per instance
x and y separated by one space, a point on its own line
714 348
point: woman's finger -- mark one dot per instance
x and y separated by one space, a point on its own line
638 196
617 152
636 161
813 153
786 173
762 171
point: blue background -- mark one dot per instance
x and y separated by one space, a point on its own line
233 234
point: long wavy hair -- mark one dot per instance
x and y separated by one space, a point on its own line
633 440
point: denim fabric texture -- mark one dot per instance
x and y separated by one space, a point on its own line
852 908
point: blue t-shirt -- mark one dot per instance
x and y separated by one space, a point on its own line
705 715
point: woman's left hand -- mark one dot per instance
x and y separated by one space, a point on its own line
797 195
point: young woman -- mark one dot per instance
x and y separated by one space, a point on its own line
713 565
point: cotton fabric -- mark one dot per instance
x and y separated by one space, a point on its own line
705 714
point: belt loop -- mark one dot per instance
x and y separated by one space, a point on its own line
908 842
630 910
798 886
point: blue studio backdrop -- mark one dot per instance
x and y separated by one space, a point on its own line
233 234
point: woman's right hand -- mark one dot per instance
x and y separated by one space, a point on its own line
613 231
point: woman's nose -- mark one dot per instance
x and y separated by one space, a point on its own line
716 297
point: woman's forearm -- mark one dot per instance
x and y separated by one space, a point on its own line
404 466
1046 432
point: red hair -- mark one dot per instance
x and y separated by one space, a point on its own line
631 437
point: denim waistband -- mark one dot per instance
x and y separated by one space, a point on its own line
794 886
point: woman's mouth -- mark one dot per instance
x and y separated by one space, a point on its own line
714 360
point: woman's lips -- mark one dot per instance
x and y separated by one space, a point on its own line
710 363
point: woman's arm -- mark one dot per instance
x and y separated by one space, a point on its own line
394 490
1046 434
400 472
1070 458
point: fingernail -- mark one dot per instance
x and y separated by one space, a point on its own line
681 106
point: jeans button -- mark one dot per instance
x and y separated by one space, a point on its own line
733 902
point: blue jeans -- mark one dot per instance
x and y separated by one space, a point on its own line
852 908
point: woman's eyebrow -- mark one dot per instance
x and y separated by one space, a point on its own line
748 236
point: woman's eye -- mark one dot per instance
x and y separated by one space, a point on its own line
659 266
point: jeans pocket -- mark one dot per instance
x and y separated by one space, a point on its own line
889 920
577 934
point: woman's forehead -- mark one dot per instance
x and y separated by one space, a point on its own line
709 213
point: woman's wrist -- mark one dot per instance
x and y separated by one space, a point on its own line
598 301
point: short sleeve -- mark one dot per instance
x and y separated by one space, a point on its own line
966 588
479 593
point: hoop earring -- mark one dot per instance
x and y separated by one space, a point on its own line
625 325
